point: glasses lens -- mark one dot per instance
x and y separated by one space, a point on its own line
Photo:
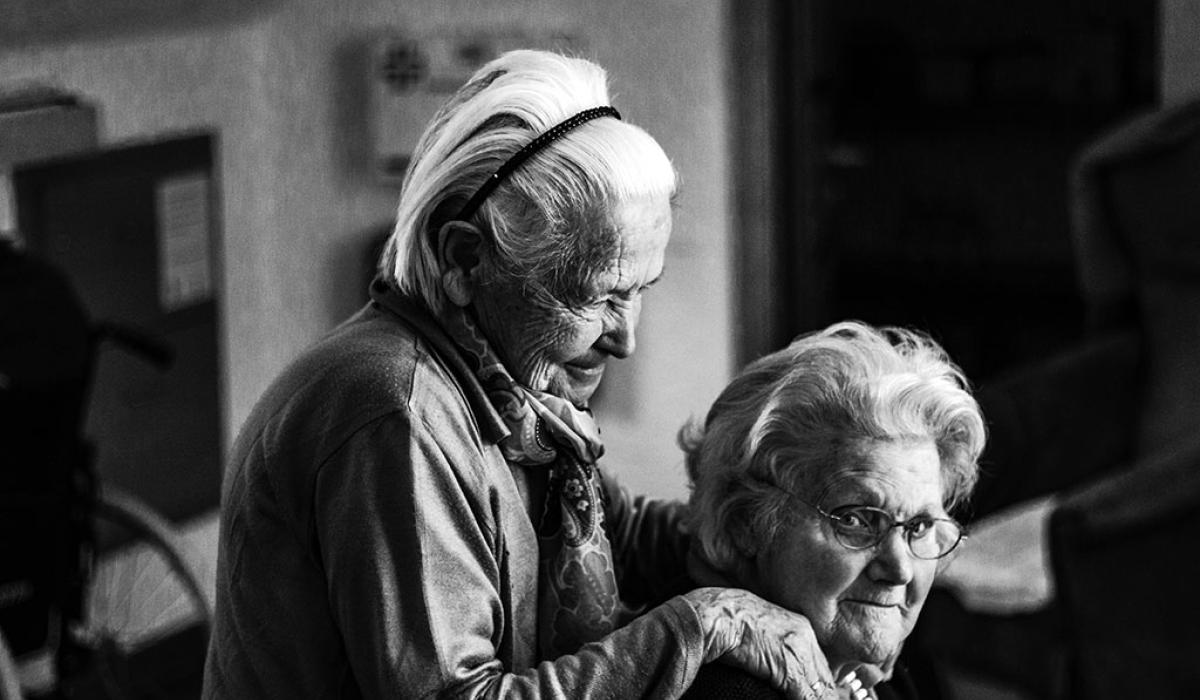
933 538
859 527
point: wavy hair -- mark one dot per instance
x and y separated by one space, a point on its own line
791 419
547 224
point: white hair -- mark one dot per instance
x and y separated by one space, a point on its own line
546 222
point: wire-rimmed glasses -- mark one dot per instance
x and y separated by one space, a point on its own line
863 527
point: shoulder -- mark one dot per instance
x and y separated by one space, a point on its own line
370 369
371 365
373 357
370 401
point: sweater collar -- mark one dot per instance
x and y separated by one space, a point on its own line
416 314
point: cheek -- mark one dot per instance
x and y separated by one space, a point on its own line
918 590
548 340
833 573
809 577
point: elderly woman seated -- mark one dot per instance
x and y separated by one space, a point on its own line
823 478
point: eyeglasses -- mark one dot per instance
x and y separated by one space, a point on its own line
864 527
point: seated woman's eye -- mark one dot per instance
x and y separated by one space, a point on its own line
854 519
918 528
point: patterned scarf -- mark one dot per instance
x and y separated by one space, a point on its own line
577 585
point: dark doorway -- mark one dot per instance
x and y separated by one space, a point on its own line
921 154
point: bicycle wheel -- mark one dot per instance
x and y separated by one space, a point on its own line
144 594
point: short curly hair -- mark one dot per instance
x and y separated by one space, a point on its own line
789 420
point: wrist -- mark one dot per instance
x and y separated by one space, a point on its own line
718 620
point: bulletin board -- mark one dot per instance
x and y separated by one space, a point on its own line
135 229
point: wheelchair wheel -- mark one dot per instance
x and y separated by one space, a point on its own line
146 617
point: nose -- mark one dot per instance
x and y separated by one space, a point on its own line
619 338
892 562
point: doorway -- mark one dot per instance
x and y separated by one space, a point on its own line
919 161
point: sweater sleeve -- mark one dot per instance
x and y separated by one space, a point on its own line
414 568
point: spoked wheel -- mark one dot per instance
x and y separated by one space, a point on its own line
144 602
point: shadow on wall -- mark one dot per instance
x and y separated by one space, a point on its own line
28 22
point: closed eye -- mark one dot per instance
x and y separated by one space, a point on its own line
616 296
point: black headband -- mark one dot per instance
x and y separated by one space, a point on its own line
555 132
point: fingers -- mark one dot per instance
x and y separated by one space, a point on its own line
814 690
764 639
867 675
821 690
801 669
807 674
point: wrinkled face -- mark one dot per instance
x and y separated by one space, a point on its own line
561 349
862 604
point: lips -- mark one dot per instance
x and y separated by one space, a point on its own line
873 603
585 371
589 363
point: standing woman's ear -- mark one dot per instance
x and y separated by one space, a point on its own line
459 246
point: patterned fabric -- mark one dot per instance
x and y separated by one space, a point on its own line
577 595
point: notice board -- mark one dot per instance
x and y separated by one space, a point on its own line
135 228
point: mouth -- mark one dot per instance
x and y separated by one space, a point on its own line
872 603
585 372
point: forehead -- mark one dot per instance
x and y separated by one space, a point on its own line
640 228
903 476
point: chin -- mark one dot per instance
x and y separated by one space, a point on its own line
576 391
579 397
865 649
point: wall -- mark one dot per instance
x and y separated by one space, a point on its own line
1180 50
283 88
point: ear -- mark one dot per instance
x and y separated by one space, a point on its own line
459 249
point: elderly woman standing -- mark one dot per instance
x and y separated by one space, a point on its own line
414 508
822 480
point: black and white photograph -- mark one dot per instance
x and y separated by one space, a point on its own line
575 349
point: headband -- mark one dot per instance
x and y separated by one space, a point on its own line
552 134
